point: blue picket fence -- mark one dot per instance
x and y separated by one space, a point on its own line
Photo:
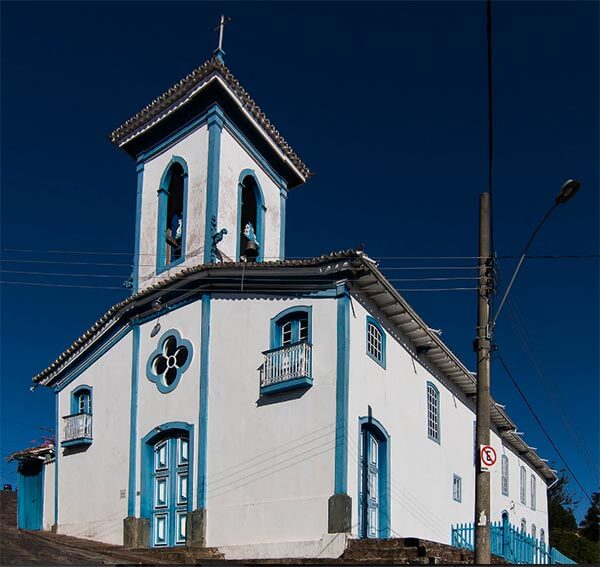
511 543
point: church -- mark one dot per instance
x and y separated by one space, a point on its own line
240 400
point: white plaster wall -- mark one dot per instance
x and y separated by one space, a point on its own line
512 503
91 481
422 470
182 403
270 467
48 508
194 150
234 159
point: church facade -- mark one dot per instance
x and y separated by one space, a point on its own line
266 406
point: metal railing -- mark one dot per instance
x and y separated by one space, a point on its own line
78 426
512 544
286 363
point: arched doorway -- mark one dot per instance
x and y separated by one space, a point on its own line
167 482
374 474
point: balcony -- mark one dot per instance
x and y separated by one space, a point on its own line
77 430
285 368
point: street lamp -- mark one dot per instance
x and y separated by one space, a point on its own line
483 347
567 192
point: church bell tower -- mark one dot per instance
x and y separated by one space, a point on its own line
213 175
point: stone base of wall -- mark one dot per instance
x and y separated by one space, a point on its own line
330 546
339 514
196 528
136 533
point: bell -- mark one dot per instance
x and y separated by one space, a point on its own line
251 251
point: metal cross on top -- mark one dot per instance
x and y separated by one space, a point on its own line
224 21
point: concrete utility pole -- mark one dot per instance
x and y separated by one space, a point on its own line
482 348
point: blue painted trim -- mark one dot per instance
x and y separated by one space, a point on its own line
231 128
303 382
282 215
203 418
289 312
260 214
164 310
138 231
76 442
56 458
163 201
341 392
215 128
429 384
454 478
157 380
523 485
76 372
504 469
384 465
133 415
377 325
155 435
75 401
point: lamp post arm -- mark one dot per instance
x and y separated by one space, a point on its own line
527 246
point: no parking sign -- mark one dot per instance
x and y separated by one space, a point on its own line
487 457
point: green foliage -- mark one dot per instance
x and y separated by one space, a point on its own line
560 507
575 547
590 525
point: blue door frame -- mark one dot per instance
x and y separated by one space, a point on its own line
167 473
30 496
374 477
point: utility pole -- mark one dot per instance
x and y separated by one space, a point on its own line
482 348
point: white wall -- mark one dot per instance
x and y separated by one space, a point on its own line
422 470
48 505
234 159
270 467
194 150
91 480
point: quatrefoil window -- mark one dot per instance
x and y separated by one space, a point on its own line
169 361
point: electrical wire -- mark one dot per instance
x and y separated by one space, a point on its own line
549 387
537 419
304 280
272 290
62 274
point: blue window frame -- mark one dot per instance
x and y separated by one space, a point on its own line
291 326
81 400
375 341
172 215
532 490
288 363
433 413
505 475
457 488
167 364
523 485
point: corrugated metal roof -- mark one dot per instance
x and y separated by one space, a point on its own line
184 90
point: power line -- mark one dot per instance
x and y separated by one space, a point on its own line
314 280
524 398
521 334
63 274
290 290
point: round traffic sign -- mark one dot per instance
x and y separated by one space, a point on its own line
488 455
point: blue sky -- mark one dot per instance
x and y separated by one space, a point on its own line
387 104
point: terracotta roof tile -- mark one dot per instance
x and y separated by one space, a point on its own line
183 88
